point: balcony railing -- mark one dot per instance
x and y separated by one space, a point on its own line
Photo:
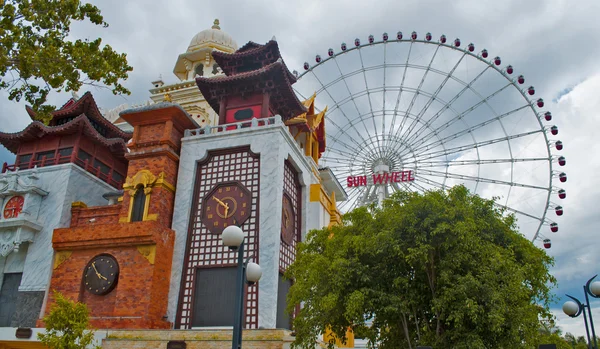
273 120
85 164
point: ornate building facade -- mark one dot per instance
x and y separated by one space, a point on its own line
123 210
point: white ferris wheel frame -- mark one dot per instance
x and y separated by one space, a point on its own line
422 145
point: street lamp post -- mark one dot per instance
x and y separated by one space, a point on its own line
574 308
249 272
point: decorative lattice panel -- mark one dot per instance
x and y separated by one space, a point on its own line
291 186
206 250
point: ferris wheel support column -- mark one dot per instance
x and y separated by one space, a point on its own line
381 170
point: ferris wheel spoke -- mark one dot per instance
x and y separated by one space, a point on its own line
384 85
423 156
419 145
442 163
343 78
441 186
459 116
479 179
430 182
340 141
362 64
434 96
448 105
340 152
336 103
414 99
392 127
354 199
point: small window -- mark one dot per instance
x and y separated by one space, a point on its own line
139 202
46 154
103 167
84 156
199 70
24 159
117 177
65 152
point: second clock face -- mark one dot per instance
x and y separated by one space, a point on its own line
226 204
288 219
13 207
101 274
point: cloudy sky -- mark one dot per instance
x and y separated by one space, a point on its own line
553 43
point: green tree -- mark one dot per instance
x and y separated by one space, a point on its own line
67 325
36 57
550 334
444 268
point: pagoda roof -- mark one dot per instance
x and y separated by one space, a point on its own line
272 78
87 106
37 130
250 55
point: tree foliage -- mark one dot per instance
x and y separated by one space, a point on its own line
37 57
445 269
67 325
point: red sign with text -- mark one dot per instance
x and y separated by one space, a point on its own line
383 178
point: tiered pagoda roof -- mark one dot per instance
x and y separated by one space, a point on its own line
37 130
252 69
81 114
87 106
250 57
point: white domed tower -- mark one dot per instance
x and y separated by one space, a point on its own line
196 61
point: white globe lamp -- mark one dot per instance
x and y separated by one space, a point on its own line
232 236
253 273
570 308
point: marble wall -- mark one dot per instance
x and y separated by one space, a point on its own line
274 144
65 184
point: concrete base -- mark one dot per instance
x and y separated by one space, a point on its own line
196 339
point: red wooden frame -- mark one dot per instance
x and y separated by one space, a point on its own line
204 249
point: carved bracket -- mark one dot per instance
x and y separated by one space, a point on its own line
148 252
60 257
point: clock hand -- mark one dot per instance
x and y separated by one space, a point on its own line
100 276
220 202
97 273
226 210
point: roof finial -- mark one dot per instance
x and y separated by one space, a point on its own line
216 24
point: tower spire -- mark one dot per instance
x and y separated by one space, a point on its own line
216 24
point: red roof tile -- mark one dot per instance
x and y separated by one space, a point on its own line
85 105
272 78
37 130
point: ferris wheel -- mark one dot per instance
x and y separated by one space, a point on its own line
410 113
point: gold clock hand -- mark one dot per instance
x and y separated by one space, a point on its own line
100 276
97 273
226 209
220 202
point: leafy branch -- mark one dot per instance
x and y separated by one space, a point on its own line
34 47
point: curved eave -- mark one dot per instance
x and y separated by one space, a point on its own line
277 70
249 50
85 105
37 130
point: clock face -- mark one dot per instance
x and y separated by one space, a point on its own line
288 218
101 275
226 204
13 207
